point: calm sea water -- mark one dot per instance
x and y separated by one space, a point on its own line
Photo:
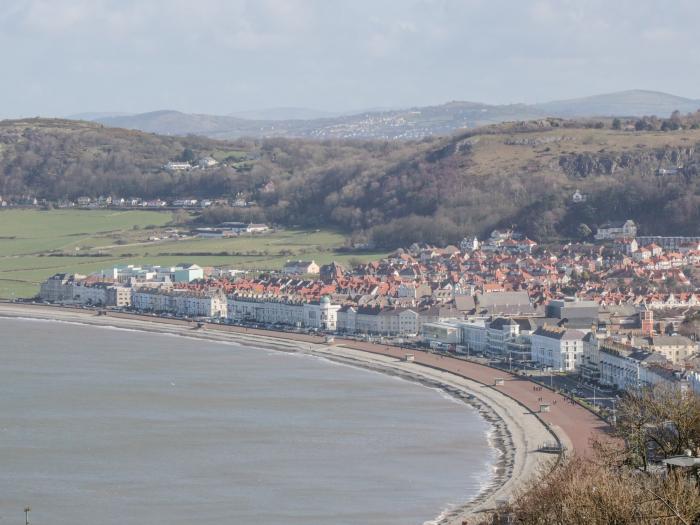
111 426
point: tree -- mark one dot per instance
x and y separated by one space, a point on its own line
676 118
188 155
584 231
616 485
592 492
180 218
616 124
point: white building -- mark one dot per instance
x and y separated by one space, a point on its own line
190 303
300 268
152 299
206 162
445 332
616 230
177 166
201 304
389 320
58 288
628 368
322 315
90 294
185 203
473 335
558 348
257 228
675 348
499 332
182 273
76 289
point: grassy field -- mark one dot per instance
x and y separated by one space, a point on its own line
37 244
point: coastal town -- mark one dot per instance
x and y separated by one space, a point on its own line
619 312
337 263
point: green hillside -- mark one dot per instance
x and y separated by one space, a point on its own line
393 193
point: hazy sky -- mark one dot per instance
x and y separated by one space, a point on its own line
218 56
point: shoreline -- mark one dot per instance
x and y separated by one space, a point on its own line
515 439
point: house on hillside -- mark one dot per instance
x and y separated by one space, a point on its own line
177 166
578 197
616 230
300 268
207 162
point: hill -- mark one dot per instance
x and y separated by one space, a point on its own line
632 103
286 113
403 124
168 122
63 159
393 193
95 116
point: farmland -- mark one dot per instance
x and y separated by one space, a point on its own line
37 244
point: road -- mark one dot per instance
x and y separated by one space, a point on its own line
595 395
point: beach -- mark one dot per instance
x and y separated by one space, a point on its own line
512 409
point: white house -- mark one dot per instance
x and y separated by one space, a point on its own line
177 166
300 268
206 162
616 230
558 348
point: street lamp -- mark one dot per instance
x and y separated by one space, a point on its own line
27 510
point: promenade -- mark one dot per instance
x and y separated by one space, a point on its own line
578 424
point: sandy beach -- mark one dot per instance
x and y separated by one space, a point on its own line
512 408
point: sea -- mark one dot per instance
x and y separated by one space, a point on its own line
112 426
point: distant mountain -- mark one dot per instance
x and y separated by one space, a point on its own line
97 115
412 123
169 122
285 114
632 103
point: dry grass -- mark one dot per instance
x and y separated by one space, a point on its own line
624 483
492 153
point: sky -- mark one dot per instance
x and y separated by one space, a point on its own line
62 57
